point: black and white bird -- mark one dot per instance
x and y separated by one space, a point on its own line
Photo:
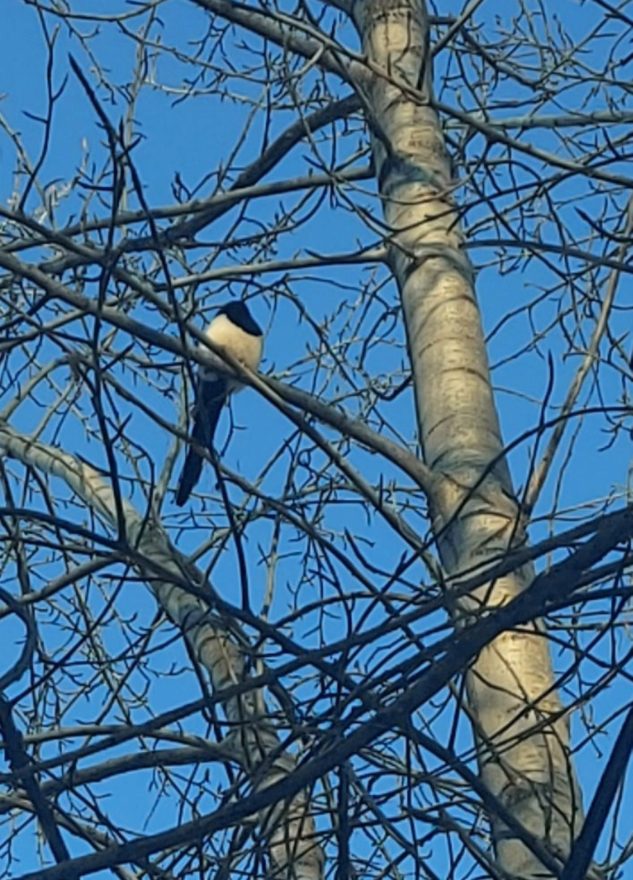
236 331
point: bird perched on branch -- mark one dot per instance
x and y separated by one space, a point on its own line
236 331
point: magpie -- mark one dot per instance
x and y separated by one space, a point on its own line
236 331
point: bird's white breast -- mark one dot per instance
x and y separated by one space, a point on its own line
242 345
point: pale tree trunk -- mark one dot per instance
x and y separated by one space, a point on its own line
521 730
288 827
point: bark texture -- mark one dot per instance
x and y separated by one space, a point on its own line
520 726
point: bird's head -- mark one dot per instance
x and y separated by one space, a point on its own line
237 312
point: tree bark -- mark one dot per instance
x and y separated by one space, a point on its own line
520 725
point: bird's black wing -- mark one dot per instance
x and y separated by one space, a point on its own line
210 397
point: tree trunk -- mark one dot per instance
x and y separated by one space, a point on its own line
288 827
520 726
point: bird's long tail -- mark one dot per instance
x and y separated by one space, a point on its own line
211 398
